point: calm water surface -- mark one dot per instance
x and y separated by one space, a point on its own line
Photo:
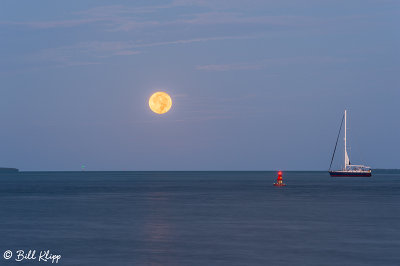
201 218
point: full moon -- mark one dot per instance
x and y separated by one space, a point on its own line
160 102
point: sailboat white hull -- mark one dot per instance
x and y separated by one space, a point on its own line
350 173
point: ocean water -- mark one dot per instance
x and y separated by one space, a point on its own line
201 218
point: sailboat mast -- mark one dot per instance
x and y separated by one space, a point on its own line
345 139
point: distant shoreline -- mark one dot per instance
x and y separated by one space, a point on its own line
8 170
15 170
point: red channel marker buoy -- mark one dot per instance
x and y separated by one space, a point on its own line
279 180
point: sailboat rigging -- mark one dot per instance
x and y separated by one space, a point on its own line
349 170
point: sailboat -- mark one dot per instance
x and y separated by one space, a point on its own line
349 170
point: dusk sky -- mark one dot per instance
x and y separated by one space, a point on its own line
255 85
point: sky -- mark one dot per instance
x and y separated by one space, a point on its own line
255 85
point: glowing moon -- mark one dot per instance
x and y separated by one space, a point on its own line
160 102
